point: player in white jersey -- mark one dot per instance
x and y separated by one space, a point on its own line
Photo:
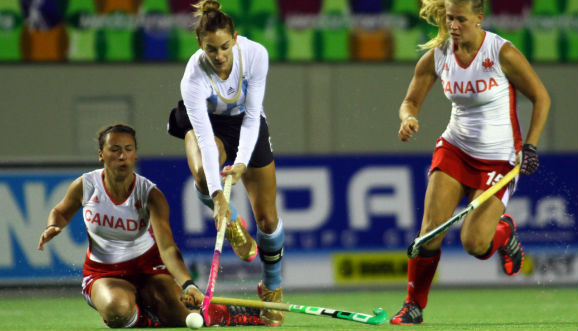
479 72
222 120
133 267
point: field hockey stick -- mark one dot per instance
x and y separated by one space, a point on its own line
413 249
217 254
379 317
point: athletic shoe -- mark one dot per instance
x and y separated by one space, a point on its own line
232 315
269 316
147 320
511 254
410 313
243 244
245 316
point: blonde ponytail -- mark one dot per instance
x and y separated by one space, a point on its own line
434 12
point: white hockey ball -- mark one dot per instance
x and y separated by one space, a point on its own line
194 321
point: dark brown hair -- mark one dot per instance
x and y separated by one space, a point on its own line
212 18
115 128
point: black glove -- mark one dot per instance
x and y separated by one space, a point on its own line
529 163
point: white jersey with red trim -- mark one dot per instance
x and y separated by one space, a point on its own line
484 120
118 231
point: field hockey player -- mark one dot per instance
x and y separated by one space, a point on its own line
221 119
479 73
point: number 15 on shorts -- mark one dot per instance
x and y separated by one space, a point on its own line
493 178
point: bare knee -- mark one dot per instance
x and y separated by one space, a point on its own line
267 223
117 313
474 245
200 179
168 308
172 311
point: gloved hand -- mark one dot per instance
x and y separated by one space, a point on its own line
191 296
529 159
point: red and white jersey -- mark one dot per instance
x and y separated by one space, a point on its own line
484 120
118 231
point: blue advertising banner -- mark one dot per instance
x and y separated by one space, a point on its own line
26 198
328 204
368 202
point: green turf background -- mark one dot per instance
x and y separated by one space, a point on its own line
448 309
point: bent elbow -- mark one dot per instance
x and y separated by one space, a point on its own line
547 101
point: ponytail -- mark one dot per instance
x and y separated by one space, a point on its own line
212 18
434 12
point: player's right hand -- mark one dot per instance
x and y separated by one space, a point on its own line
191 296
47 235
236 171
407 127
528 159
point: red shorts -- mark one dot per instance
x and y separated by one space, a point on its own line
472 172
150 263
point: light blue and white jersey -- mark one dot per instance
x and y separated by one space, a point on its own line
204 93
217 106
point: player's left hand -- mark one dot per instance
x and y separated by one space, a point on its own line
407 128
47 235
191 296
529 162
237 170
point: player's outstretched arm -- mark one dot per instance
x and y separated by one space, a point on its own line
62 213
420 85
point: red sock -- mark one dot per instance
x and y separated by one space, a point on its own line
502 234
420 273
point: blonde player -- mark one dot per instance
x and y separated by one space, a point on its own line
479 73
222 119
133 268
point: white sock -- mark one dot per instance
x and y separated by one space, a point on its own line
133 320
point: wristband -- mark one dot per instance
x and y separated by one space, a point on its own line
50 226
189 283
530 147
409 117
